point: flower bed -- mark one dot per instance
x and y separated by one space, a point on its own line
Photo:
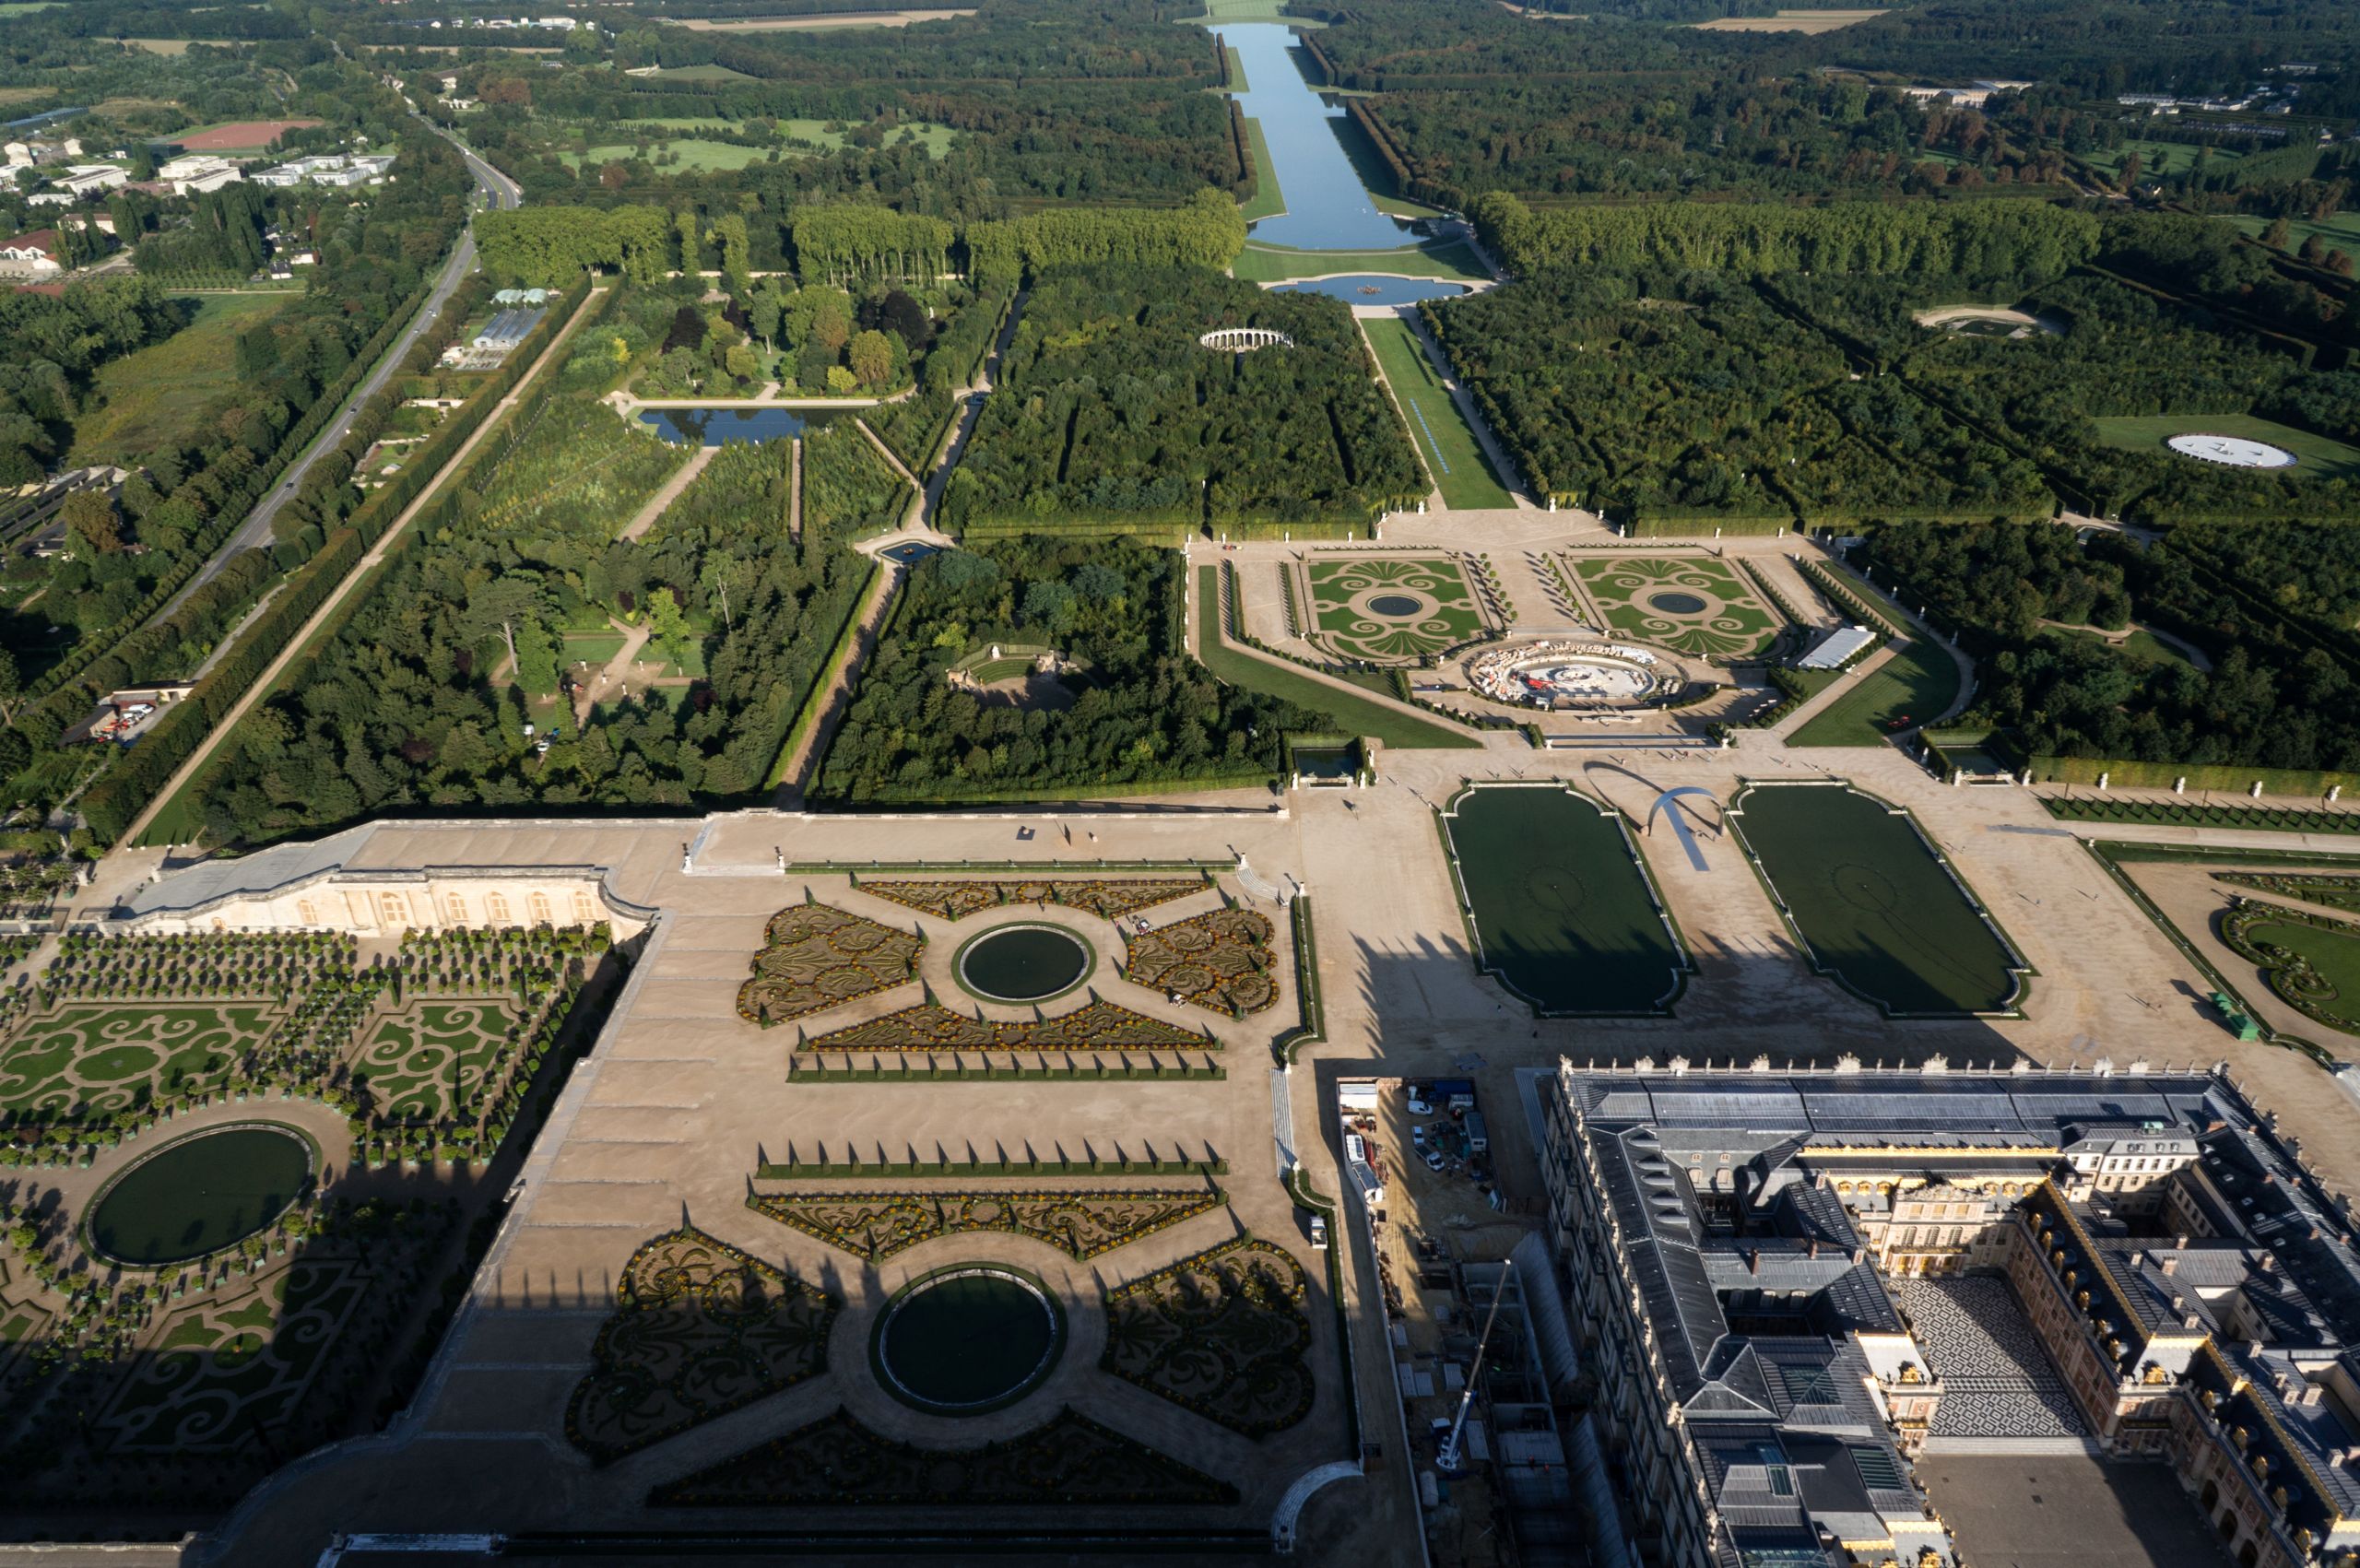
816 956
836 1461
1221 961
2310 960
699 1329
1082 1224
1098 1026
1109 897
1222 1334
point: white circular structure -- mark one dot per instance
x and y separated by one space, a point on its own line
2234 452
1579 674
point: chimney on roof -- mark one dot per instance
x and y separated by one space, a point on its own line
1812 1248
1754 1260
2170 1263
1858 1254
2269 1264
2179 1244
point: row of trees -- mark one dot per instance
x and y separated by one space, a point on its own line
1965 240
843 246
1108 411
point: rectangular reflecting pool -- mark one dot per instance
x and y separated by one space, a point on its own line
1375 288
714 427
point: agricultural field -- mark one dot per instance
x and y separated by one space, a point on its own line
1562 914
1810 23
1691 605
1874 907
1454 457
160 396
1385 609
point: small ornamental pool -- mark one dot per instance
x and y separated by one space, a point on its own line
1024 963
1375 288
718 426
1396 605
966 1341
200 1194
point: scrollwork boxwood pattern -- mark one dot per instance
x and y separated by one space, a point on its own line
699 1329
2293 976
876 1225
837 1461
1107 897
1101 1026
1222 1334
1221 961
817 957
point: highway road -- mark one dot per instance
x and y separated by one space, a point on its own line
255 533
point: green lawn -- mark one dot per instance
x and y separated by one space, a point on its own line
1385 609
2313 454
1376 175
1268 200
2157 158
1270 263
1445 441
699 157
1874 906
1917 683
160 396
1351 714
1249 11
2143 645
698 74
1563 916
2341 232
2331 987
591 647
1237 82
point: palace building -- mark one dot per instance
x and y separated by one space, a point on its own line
1791 1285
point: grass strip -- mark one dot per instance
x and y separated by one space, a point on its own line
1351 714
1454 457
1917 683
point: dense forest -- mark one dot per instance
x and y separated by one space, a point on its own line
1747 363
418 700
1042 99
1467 97
1108 413
2278 694
1138 714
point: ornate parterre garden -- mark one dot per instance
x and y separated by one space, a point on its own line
289 1315
831 1262
1691 605
1385 609
2311 961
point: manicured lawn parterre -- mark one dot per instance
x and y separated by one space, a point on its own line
1351 714
1453 458
1268 200
1452 262
91 1059
2314 455
686 153
2311 961
1873 905
1391 610
155 398
1691 605
1919 682
1222 1334
429 1062
1562 914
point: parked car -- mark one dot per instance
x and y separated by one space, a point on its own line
1433 1160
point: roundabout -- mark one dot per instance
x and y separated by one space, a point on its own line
200 1194
1023 964
966 1339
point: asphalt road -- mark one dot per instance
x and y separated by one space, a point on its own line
255 533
